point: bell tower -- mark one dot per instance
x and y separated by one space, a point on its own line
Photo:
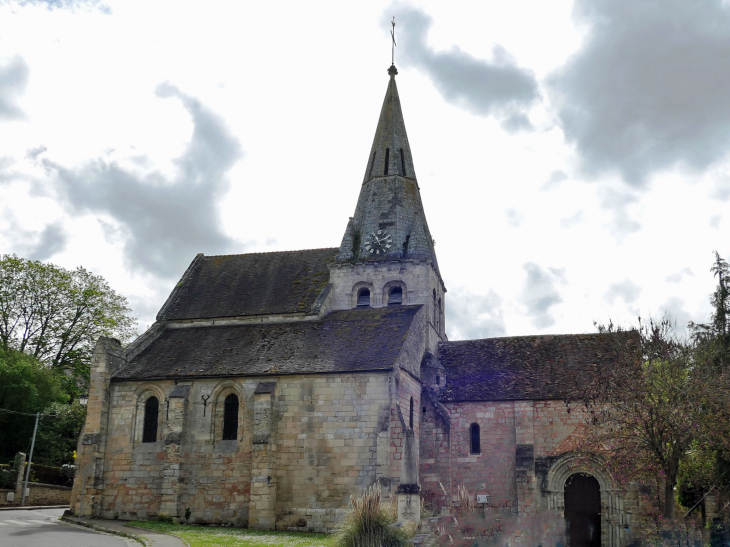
387 255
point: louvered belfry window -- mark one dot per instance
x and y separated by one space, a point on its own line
230 418
395 296
363 298
151 413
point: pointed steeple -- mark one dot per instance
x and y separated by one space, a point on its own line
389 222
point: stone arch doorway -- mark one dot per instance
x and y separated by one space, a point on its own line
583 511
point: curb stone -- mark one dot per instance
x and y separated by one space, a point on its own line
79 522
31 507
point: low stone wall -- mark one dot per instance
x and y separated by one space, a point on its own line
4 497
47 494
38 494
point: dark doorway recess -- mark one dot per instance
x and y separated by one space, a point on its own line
583 511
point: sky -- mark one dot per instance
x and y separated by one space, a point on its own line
573 156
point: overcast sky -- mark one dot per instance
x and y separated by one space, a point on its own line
573 157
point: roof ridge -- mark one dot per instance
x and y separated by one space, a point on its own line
527 336
274 252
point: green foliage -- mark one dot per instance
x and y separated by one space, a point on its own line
370 524
7 477
713 338
219 536
57 315
167 519
58 432
26 385
696 476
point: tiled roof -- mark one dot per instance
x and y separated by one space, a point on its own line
249 284
523 367
344 341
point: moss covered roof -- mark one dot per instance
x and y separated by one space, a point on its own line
344 341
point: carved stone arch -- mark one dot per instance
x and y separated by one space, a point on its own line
357 287
217 397
390 285
141 394
613 517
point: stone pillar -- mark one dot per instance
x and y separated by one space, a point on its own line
262 513
177 404
86 496
19 465
525 457
409 498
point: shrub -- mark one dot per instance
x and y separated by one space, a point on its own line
167 519
370 524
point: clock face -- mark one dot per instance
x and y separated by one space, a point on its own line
378 243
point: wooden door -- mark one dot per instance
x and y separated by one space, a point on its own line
583 511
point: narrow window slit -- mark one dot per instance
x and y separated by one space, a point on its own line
372 164
230 418
151 413
475 441
387 159
402 163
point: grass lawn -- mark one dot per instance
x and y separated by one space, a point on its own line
213 536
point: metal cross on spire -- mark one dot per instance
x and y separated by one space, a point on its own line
392 48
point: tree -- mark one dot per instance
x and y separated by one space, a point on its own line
647 412
713 338
26 385
57 315
58 431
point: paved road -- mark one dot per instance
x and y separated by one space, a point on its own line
41 528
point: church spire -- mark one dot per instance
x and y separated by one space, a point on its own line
389 221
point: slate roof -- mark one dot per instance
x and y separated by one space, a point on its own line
343 341
249 284
523 367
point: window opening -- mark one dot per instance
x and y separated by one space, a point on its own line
363 298
230 418
395 296
410 420
151 413
372 164
475 442
402 163
438 321
434 308
387 158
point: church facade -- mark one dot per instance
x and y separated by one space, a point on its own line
272 386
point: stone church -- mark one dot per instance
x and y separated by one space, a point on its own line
272 386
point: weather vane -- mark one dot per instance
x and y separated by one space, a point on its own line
392 48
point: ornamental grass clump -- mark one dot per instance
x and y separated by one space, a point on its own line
370 523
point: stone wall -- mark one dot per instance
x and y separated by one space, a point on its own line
303 447
418 278
47 494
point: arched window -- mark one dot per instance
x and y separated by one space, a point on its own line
363 298
410 420
438 323
230 418
395 296
475 441
151 414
